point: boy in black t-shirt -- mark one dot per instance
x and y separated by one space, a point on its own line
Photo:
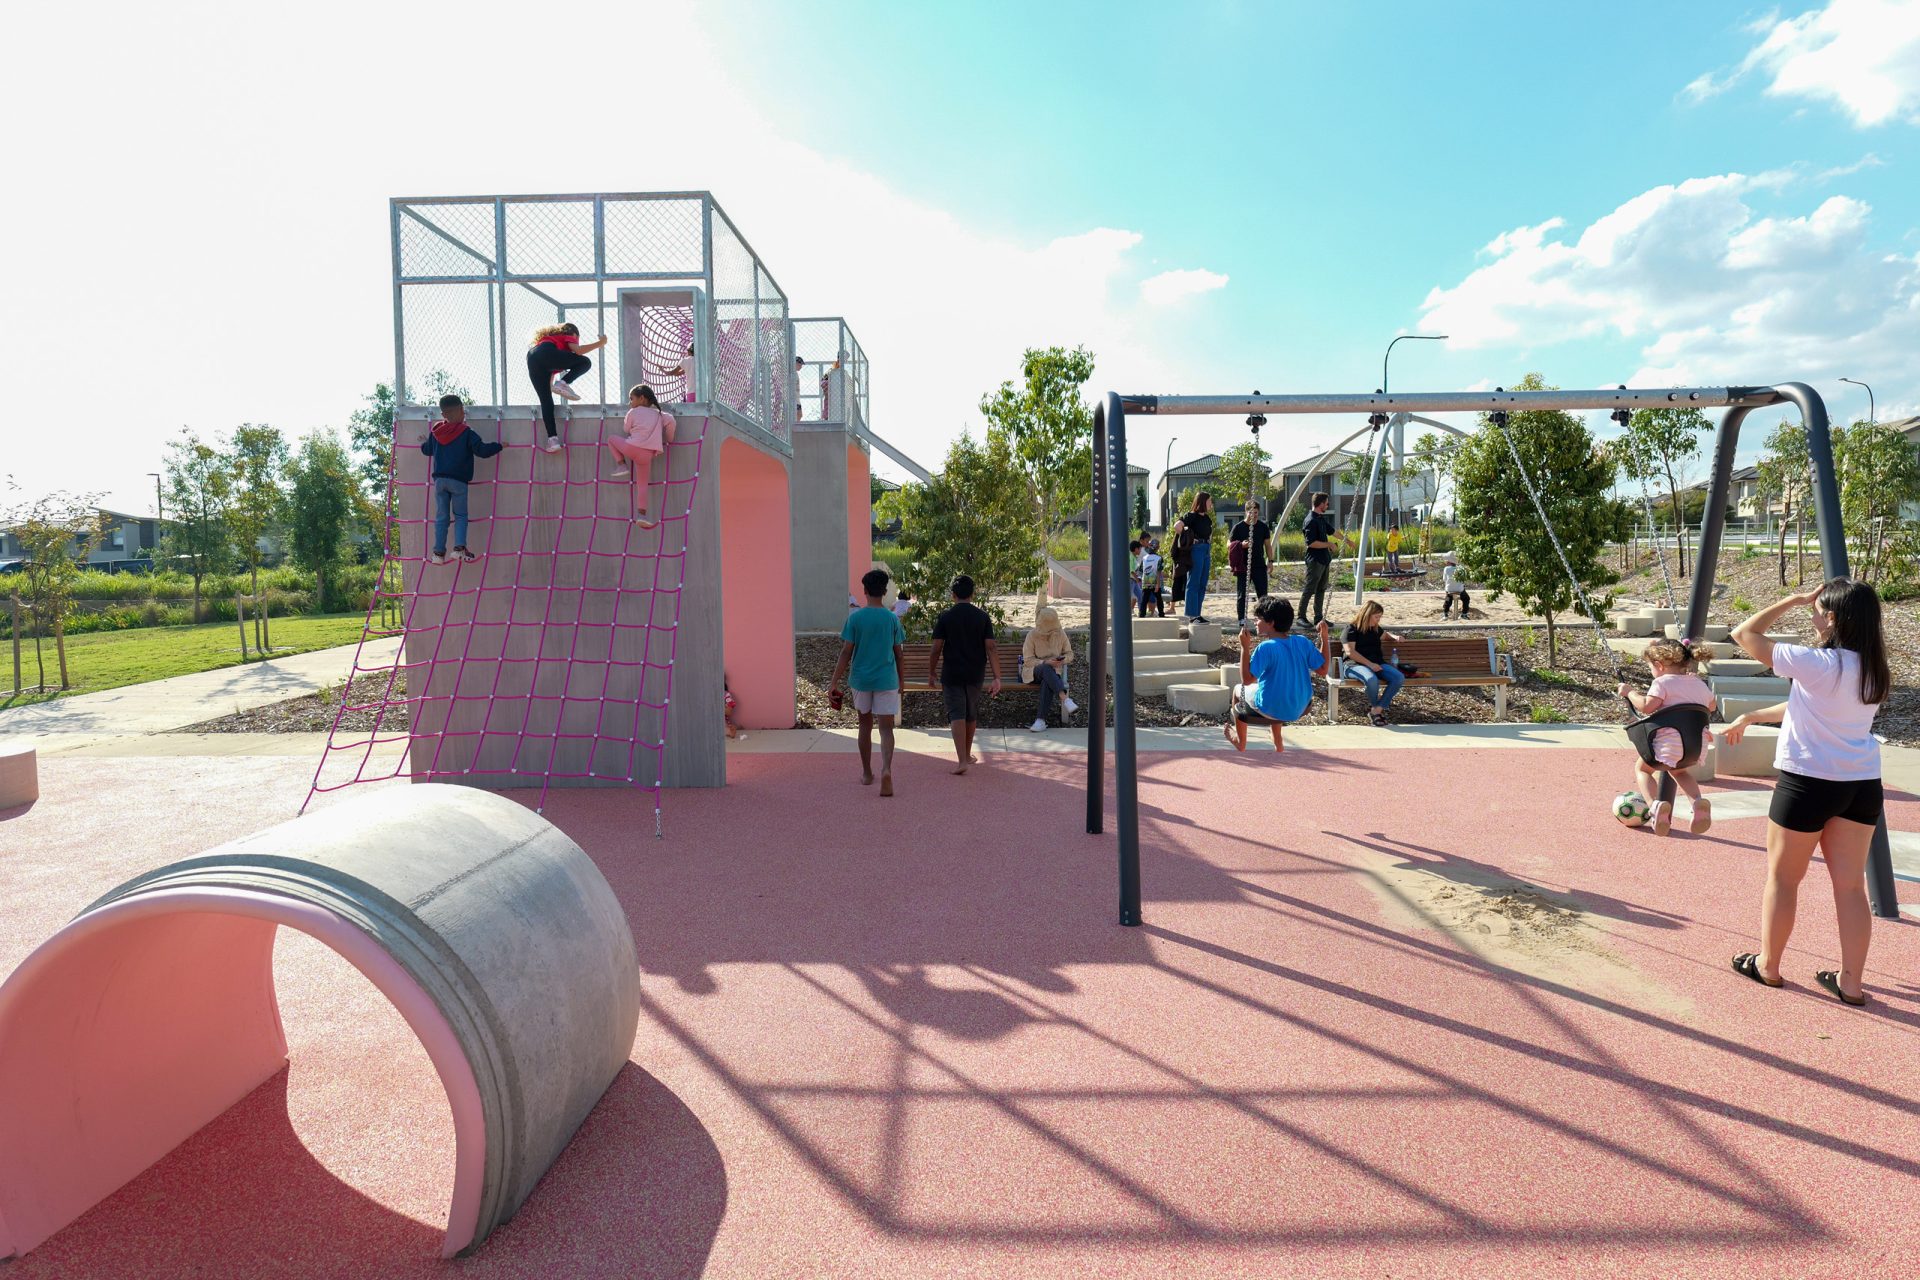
964 657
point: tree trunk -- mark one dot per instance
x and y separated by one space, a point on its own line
196 597
1679 522
1553 641
60 648
1800 547
1785 510
39 655
320 589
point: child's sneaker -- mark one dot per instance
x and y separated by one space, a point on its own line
1702 817
464 556
551 444
564 389
621 473
1662 818
437 557
1038 726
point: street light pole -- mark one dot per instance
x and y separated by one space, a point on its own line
1399 451
1166 482
159 508
1856 382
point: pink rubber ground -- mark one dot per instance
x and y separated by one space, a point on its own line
903 1038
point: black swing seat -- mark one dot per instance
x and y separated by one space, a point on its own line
1689 720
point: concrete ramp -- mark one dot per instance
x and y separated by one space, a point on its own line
153 1011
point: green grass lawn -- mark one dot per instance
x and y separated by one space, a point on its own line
110 659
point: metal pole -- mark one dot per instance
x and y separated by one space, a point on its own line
1097 639
1166 482
1869 390
1833 560
500 286
600 288
399 311
1126 782
1366 513
1707 550
1454 401
16 642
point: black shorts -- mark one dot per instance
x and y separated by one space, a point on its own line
1807 804
963 701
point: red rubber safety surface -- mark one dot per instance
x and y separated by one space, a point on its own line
904 1037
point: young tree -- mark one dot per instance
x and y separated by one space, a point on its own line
1430 464
1785 472
1048 431
322 499
1878 473
1501 542
1244 474
55 533
1658 439
256 460
975 518
1141 513
198 485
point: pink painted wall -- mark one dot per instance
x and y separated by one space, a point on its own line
756 585
859 516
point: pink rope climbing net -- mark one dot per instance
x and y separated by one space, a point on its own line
550 658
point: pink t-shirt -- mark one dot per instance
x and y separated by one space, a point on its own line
1680 689
649 428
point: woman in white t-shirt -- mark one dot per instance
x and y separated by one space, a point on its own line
1828 795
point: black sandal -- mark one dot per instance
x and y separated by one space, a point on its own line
1830 979
1748 964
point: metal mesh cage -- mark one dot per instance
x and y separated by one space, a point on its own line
474 277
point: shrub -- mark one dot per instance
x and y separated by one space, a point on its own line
1543 714
1741 604
1070 544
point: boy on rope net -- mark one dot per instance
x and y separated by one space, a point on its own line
453 445
1276 673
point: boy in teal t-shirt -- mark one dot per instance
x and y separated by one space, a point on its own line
874 666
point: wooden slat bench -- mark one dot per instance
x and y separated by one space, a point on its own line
916 655
1440 663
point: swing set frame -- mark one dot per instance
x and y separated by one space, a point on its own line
1111 512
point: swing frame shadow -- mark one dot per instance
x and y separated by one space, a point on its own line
1111 513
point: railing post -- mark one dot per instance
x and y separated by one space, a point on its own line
1126 782
1097 639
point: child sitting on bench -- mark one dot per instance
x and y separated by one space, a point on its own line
1276 669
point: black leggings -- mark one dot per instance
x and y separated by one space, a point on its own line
543 361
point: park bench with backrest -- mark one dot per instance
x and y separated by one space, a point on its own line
916 656
1448 663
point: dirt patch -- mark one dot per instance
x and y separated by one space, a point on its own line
1515 925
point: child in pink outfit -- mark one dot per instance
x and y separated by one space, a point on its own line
648 433
1676 682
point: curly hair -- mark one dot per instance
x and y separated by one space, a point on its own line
1682 654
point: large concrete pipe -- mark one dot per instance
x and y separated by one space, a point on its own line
153 1011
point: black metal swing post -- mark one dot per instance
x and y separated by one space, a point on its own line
1096 642
1113 629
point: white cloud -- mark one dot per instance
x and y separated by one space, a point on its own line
1709 289
1862 56
1175 286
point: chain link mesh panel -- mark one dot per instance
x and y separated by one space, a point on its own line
447 239
550 238
732 320
819 343
448 340
651 235
773 357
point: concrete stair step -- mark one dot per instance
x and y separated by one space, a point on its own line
1152 648
1187 662
1775 687
1157 628
1148 684
1208 699
1732 668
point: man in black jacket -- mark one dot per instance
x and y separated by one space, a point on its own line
1318 529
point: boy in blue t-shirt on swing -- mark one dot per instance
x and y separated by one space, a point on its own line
1276 684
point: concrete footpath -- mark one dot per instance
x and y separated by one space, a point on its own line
161 706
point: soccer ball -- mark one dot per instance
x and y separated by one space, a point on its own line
1630 808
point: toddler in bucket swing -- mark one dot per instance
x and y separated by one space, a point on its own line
649 431
1676 682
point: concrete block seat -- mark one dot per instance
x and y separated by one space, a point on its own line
1751 757
1209 699
1638 624
19 773
153 1011
1716 632
1733 667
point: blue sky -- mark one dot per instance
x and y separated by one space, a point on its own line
1636 191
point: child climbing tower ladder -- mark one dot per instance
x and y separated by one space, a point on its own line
560 656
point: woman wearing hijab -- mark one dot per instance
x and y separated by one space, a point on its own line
1044 659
